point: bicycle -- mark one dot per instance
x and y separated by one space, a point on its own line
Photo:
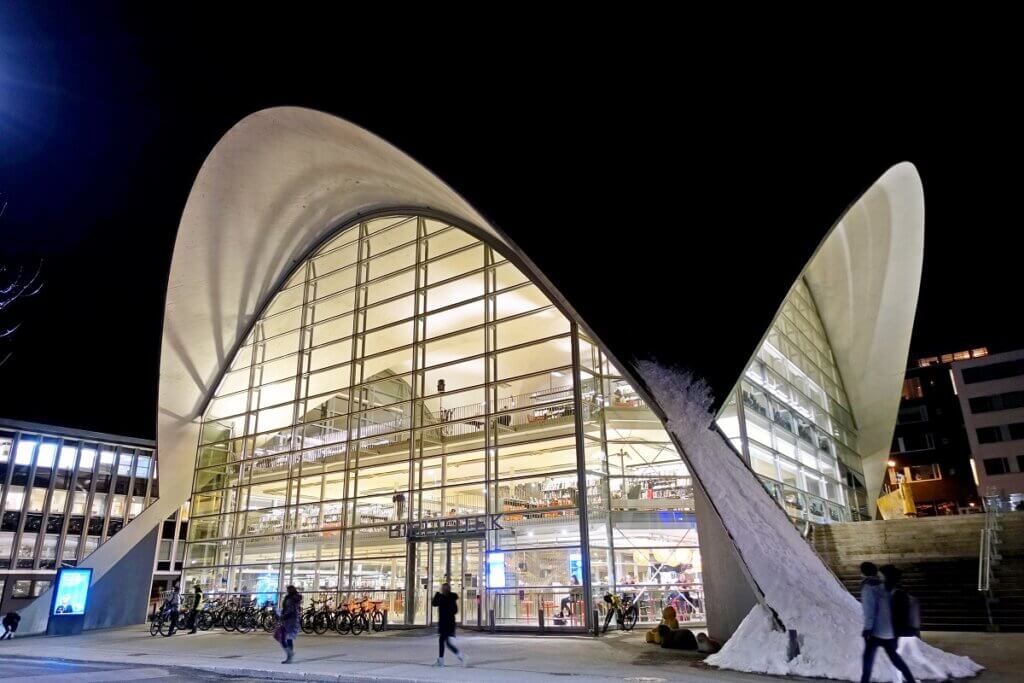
624 609
162 623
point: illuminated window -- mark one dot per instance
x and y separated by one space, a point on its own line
912 388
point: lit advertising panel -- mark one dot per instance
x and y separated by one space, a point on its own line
72 592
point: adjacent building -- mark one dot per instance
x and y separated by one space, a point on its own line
63 493
991 394
930 450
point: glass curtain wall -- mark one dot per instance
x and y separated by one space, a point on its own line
404 413
790 417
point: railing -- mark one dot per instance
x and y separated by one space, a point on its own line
988 554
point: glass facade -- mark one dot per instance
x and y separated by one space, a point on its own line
411 409
790 418
62 496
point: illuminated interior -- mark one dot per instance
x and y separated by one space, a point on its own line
790 417
410 408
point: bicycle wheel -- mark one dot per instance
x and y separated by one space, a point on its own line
269 622
245 623
306 622
629 620
204 621
154 626
344 624
319 625
230 621
377 620
166 628
358 624
182 620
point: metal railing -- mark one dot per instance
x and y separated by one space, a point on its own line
988 552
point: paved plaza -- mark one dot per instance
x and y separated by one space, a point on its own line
131 654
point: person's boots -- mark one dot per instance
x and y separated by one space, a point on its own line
291 653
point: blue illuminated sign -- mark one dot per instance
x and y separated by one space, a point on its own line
72 592
496 570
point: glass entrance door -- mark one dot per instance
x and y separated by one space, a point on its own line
457 561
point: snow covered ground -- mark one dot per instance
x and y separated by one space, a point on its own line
795 583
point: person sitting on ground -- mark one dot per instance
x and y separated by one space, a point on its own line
668 620
10 625
678 639
707 645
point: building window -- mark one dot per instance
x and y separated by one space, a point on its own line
912 388
989 434
913 442
22 589
929 472
987 373
912 414
1006 401
38 587
1016 430
996 466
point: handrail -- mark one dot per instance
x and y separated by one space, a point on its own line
984 561
987 552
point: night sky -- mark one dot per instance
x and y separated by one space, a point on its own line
672 205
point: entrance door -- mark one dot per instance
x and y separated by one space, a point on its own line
456 561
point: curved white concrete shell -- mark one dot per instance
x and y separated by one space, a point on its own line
865 278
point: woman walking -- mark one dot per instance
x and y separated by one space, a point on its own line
291 617
447 606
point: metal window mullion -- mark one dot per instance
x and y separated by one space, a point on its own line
111 488
25 500
131 486
46 506
69 504
7 487
87 512
581 476
347 539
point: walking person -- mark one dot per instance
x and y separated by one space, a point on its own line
447 604
878 629
193 614
10 625
291 620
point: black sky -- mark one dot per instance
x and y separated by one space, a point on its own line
670 195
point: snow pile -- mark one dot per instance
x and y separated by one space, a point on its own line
794 581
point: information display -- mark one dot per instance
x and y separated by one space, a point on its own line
72 591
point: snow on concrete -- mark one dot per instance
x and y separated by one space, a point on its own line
794 581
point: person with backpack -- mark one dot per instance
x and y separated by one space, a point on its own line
906 613
878 627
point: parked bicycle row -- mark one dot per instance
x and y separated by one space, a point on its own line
240 616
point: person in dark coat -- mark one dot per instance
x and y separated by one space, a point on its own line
291 621
10 625
447 604
197 599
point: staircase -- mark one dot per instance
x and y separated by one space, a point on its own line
939 560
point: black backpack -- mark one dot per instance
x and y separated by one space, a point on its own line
906 614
